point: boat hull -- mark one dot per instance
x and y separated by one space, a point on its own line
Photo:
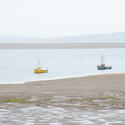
104 67
40 71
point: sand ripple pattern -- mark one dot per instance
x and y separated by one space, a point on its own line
50 115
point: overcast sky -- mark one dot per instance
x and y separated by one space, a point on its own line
57 18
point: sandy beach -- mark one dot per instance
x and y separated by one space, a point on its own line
97 99
108 88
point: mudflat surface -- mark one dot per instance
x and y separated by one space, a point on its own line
94 100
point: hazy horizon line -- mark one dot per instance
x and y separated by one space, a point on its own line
58 37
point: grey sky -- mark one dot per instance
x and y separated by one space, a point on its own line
56 18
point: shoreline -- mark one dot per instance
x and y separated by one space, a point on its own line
59 78
72 79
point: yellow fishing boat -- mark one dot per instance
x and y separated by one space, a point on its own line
39 69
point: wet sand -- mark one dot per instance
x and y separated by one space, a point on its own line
60 45
110 87
97 99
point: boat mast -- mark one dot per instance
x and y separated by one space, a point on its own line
39 64
102 59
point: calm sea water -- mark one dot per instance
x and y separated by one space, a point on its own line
18 65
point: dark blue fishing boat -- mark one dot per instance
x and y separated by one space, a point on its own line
102 66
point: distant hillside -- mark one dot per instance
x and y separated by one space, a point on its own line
111 37
115 37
